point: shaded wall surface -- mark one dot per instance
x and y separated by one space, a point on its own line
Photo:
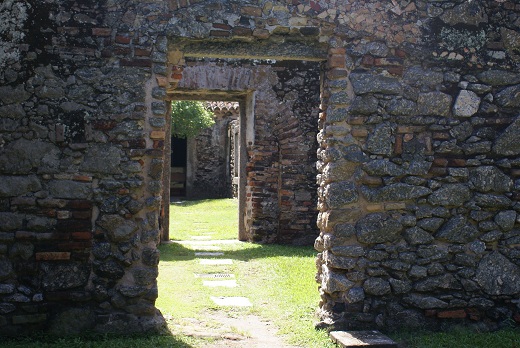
418 160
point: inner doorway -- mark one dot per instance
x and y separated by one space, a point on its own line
221 175
178 167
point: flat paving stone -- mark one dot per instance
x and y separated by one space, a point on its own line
352 339
232 301
220 283
214 275
208 253
208 248
216 262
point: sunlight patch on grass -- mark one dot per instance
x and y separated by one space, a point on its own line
278 280
217 218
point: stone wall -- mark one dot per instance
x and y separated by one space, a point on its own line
419 168
418 160
81 164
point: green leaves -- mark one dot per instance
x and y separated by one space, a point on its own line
189 118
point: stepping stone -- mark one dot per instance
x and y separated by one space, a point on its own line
205 253
352 339
232 301
209 247
223 283
216 262
214 275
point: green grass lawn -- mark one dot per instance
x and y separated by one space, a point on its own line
460 338
217 218
278 280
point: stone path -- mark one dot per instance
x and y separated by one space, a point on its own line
234 331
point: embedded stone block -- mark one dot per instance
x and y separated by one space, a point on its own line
380 140
434 104
64 276
498 275
351 339
12 186
378 228
118 228
364 83
334 282
450 195
457 230
341 193
507 143
102 158
69 189
466 104
490 179
509 97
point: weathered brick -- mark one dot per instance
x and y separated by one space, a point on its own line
337 61
78 204
72 246
452 314
359 132
121 39
52 256
81 235
136 62
252 11
157 134
101 31
241 31
218 33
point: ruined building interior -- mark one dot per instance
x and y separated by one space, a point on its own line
383 132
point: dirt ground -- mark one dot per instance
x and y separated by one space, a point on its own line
222 330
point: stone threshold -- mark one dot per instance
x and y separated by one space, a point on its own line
352 339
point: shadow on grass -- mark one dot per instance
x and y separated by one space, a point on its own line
249 251
98 341
184 203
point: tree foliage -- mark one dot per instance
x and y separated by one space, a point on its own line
189 118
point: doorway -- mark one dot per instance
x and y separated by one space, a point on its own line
279 107
178 167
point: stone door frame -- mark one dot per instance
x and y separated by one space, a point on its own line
181 48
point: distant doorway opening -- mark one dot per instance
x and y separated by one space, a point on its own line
179 161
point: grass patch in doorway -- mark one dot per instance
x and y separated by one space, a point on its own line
215 218
278 280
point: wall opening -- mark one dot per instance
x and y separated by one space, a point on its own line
280 103
178 166
228 139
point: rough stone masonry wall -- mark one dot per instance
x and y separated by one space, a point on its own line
418 160
81 165
419 167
